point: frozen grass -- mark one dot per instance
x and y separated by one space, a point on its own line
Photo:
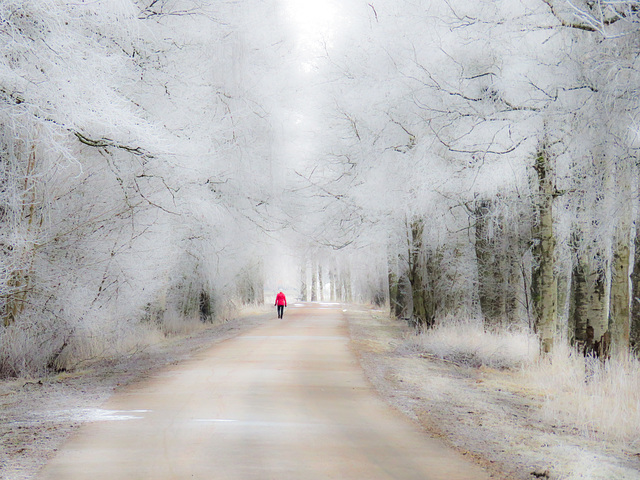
34 349
174 324
106 341
467 343
601 401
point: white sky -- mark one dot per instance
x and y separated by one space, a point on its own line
314 21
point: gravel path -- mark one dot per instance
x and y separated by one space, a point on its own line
287 400
38 415
479 412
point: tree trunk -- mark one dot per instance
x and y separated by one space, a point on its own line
491 262
513 288
544 282
597 337
332 285
400 283
635 295
314 281
405 297
393 292
337 277
579 309
303 282
20 279
421 278
619 309
320 283
346 286
415 272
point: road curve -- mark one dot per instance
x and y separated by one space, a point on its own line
285 401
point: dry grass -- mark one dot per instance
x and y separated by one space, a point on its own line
33 348
467 343
601 400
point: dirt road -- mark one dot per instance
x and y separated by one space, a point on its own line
285 401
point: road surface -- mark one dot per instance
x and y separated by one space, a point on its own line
285 401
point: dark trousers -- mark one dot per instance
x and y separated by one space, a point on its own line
280 311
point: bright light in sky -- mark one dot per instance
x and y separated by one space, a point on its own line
314 20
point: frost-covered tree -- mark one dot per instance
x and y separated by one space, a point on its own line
496 100
125 172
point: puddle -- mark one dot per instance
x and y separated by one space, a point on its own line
82 415
293 337
101 415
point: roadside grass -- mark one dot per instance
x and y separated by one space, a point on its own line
27 350
601 400
467 343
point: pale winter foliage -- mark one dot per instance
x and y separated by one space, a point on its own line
489 152
166 162
111 215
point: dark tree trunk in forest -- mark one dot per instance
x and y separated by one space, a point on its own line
619 300
588 326
598 340
320 283
498 248
490 259
423 312
415 272
400 285
205 306
513 288
619 296
579 303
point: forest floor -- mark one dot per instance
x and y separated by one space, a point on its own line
484 413
480 412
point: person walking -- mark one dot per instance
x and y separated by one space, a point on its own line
281 302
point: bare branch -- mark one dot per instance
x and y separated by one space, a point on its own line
106 143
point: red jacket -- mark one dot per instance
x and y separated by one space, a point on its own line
281 299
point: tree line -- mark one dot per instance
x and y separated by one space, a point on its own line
452 158
125 184
494 147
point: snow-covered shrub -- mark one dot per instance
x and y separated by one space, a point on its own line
29 347
104 339
175 323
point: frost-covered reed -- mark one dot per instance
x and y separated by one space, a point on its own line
600 400
468 343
